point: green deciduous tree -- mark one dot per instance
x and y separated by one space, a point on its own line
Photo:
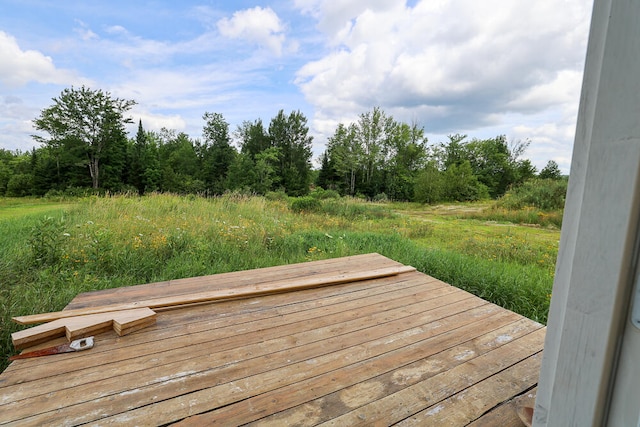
462 185
179 164
344 160
241 174
290 135
374 131
218 154
406 155
264 170
429 185
491 162
374 155
91 117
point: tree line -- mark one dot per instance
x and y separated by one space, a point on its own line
84 144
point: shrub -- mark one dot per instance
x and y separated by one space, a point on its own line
354 209
276 196
45 241
544 194
20 185
305 204
381 197
429 185
322 194
54 194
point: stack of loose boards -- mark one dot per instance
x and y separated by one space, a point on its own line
129 317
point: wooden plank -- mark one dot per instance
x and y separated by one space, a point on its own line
190 285
332 393
280 335
238 376
469 404
506 414
122 322
236 388
310 356
359 385
197 331
221 294
199 325
413 399
229 343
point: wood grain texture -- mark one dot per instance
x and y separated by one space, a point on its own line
123 322
371 352
219 294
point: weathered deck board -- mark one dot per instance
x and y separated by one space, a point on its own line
373 384
401 349
353 264
246 316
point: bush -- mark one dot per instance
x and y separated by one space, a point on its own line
276 196
544 194
45 241
354 209
54 194
20 185
429 185
526 215
380 198
305 204
322 194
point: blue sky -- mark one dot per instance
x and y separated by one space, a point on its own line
480 68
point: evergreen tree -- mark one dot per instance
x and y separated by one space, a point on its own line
6 157
328 177
253 137
219 154
550 171
137 173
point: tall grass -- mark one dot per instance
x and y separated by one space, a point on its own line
537 201
106 242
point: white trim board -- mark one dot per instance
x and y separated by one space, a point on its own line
596 262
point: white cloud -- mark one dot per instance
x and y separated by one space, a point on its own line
84 31
257 25
180 88
335 18
454 65
155 122
560 89
15 124
19 67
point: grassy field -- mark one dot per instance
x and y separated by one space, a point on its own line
50 252
17 208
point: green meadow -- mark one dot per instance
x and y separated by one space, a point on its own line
52 250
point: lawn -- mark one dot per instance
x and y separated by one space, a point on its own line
50 252
16 208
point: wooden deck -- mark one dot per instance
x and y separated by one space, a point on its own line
405 350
